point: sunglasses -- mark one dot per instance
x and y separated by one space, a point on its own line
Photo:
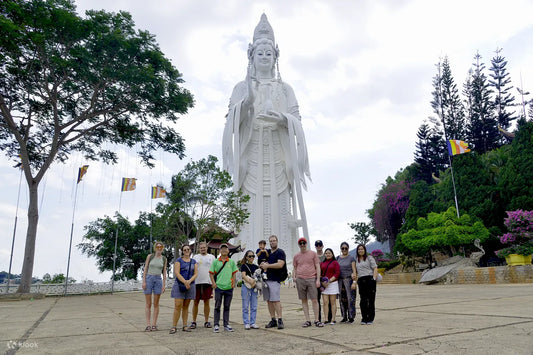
159 247
250 256
187 249
302 243
344 248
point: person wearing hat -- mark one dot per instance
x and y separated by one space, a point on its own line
319 246
307 274
223 279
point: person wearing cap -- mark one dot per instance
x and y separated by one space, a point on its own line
319 246
204 289
307 274
274 268
262 255
222 273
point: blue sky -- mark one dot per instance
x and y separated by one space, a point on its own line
361 71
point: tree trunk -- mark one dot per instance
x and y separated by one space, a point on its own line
31 234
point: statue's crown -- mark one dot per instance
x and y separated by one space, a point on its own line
264 30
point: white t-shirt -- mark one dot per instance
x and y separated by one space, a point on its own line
204 263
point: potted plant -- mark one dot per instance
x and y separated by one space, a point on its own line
520 238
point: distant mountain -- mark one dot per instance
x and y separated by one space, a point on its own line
373 246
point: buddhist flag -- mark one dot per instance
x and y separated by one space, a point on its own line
457 147
158 192
82 171
128 184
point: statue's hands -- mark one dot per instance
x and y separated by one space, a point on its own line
272 116
249 100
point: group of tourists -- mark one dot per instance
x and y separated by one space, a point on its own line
317 276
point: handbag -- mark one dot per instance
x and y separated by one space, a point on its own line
181 285
248 286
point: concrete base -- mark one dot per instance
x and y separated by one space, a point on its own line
21 296
410 319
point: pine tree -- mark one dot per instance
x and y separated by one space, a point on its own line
503 100
430 154
452 108
482 124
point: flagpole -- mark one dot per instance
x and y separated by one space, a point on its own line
70 244
116 240
441 114
453 183
14 234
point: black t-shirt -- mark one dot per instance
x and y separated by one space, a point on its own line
261 255
249 269
275 274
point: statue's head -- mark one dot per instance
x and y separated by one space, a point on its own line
263 43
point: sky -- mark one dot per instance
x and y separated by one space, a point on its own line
361 71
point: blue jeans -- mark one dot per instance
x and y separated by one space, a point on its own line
249 305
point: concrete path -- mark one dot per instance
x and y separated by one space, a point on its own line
410 319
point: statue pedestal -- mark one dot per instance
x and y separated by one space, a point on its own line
517 259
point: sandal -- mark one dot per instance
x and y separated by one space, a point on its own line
207 325
319 324
148 329
186 329
306 324
193 325
173 330
154 328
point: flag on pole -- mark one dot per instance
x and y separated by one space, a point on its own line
128 184
158 192
457 147
81 172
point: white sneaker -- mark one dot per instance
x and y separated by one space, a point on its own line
228 328
247 326
254 326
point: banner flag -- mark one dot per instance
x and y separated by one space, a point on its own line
457 147
128 184
81 172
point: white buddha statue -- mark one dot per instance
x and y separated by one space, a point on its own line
264 148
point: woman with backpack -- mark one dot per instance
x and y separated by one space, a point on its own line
155 266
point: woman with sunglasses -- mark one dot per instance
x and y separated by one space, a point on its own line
154 267
248 291
330 269
367 273
347 280
184 289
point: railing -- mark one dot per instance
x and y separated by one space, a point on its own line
80 288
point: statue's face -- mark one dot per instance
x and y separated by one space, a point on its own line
264 57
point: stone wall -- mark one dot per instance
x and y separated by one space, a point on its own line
82 288
490 275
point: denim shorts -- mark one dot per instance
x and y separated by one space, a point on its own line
154 284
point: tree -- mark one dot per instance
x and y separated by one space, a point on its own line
440 231
57 279
363 231
99 242
516 177
202 194
69 84
503 100
482 124
388 211
430 154
447 104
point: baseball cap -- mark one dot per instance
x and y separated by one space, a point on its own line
223 245
319 243
302 239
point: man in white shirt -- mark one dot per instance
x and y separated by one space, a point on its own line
204 290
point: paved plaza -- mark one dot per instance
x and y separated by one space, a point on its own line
410 319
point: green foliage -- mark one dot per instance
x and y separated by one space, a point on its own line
516 177
202 198
132 246
522 249
363 231
71 84
441 230
57 279
389 264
